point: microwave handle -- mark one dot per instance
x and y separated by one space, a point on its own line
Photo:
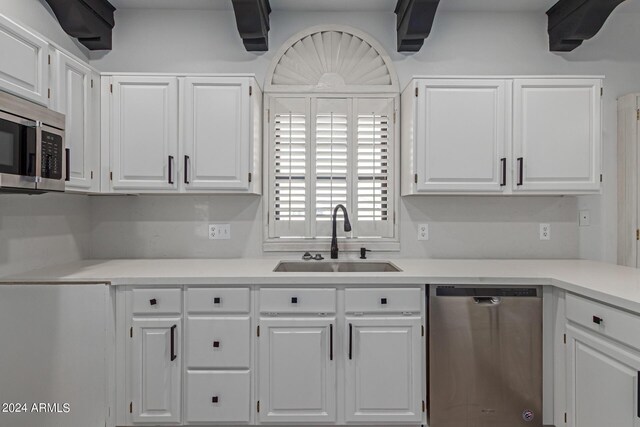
31 164
67 161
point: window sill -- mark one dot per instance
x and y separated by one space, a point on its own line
324 245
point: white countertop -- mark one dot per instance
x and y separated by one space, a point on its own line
609 283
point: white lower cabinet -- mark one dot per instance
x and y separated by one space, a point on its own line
156 370
383 370
216 397
297 370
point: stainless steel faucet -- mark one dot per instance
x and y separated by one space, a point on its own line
347 228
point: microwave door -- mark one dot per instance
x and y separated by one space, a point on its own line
52 160
18 152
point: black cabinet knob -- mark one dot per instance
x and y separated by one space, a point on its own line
153 301
217 300
214 399
383 301
294 300
597 320
216 344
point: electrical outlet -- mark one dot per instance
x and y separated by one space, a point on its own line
545 231
423 232
584 220
219 231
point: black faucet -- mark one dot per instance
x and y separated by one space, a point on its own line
347 228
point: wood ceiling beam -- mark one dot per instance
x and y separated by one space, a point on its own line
573 21
90 21
252 19
414 19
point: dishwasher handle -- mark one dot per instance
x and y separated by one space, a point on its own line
487 300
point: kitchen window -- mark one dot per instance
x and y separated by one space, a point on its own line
329 150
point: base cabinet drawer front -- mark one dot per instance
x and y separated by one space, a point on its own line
606 320
216 397
602 382
218 300
157 301
383 300
297 300
218 342
383 370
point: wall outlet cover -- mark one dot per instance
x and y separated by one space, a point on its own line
545 231
219 231
423 232
584 219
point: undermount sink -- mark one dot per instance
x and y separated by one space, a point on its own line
335 267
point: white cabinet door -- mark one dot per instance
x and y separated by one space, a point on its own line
602 382
156 370
462 135
24 67
297 371
557 136
144 133
75 99
217 129
383 369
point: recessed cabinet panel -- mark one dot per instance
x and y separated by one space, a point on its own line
216 133
218 342
24 68
144 136
218 397
462 135
383 370
297 371
557 135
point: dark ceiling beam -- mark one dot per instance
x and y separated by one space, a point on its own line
252 19
414 19
90 21
573 21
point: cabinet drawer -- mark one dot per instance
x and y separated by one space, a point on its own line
218 342
383 300
218 397
218 300
613 322
298 300
157 301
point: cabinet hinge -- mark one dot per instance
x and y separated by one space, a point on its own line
131 407
268 116
394 116
422 330
110 176
424 406
49 93
131 332
637 234
564 338
416 91
600 177
249 176
258 330
601 91
49 59
111 88
638 114
91 83
250 90
415 178
91 174
258 406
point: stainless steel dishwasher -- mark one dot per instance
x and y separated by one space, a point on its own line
485 356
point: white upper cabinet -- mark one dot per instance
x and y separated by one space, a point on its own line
24 68
144 133
218 133
462 127
77 97
557 136
501 136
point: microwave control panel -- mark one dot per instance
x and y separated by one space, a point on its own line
52 153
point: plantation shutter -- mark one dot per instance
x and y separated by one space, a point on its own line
373 174
289 210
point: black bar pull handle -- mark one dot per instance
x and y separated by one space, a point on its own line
350 341
174 356
520 170
503 162
67 161
597 320
186 169
331 341
170 169
638 394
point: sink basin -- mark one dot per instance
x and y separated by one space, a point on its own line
335 267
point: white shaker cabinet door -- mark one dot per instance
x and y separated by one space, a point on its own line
602 382
462 135
216 132
557 135
297 370
75 95
144 133
384 372
156 370
24 69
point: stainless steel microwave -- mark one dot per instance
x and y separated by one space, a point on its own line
33 158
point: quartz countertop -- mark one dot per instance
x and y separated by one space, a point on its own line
604 282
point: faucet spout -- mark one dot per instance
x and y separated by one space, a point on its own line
347 228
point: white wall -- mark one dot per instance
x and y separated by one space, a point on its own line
38 231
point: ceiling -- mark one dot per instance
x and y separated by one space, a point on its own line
361 5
